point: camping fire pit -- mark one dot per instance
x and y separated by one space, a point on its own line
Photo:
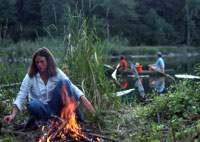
65 128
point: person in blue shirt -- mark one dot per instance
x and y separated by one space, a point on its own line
160 65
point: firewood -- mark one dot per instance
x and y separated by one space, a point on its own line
49 133
59 130
55 117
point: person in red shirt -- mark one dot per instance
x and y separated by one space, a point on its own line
122 63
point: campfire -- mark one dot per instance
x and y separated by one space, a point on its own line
66 128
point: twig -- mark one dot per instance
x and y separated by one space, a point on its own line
96 91
24 134
158 116
10 85
82 86
103 137
57 118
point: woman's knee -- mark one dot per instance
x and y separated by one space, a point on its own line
33 106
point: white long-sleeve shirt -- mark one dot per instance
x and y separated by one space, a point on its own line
35 89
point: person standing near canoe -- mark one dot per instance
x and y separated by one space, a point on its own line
122 63
160 65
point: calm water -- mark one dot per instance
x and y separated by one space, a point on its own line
181 65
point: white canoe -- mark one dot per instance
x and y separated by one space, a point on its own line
121 93
187 76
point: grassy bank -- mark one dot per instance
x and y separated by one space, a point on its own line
150 50
116 47
57 46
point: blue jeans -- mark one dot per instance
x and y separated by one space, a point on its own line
42 112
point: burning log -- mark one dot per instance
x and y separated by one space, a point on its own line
59 130
65 128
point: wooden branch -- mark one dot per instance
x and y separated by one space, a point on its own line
57 118
24 134
103 137
138 83
59 130
10 85
158 115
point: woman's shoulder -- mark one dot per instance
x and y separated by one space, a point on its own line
61 74
28 79
58 70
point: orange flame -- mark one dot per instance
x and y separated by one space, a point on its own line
69 117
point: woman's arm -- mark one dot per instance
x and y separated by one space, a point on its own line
87 104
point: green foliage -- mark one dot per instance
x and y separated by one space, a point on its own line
141 22
54 13
87 69
12 72
197 68
178 109
6 98
8 19
29 19
181 100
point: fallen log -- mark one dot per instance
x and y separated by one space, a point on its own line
10 85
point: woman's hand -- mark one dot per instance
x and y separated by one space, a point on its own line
7 119
87 104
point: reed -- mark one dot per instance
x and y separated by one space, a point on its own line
12 72
81 60
83 53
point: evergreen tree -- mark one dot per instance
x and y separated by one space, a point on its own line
54 16
7 19
29 17
191 18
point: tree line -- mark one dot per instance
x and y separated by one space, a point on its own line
141 22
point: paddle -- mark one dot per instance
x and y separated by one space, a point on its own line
121 93
165 74
138 82
115 72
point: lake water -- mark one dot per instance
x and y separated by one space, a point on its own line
181 65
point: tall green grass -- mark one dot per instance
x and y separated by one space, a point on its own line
82 57
12 72
84 52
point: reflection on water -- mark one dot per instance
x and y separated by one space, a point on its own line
181 65
150 84
157 83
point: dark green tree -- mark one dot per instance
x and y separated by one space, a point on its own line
54 16
120 16
29 17
8 19
191 11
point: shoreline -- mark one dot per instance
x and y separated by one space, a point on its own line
148 56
